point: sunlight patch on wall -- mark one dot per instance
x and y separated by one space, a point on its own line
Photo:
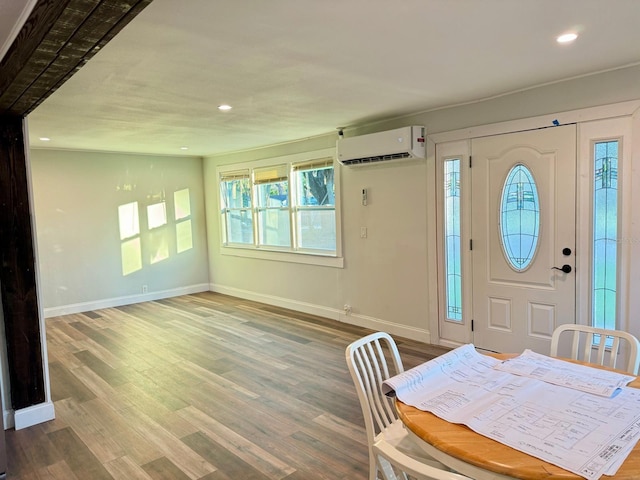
156 215
131 256
184 238
182 204
128 220
130 248
158 246
184 232
156 241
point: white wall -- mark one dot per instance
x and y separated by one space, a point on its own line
388 278
382 273
76 198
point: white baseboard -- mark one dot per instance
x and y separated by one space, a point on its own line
328 312
27 417
126 300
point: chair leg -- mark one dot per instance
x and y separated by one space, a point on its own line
373 467
388 471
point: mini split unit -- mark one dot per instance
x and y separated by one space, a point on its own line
400 144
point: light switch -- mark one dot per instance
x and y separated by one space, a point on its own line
363 232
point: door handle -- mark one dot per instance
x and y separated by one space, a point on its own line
565 268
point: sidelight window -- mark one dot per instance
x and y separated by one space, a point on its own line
605 234
453 254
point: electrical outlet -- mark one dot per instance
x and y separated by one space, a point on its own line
347 309
145 289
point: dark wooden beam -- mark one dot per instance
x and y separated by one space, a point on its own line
58 38
17 270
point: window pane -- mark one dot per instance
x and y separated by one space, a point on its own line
315 187
317 229
605 234
274 194
274 227
235 199
239 226
274 221
235 193
453 262
519 217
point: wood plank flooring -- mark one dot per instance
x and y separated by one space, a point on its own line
202 386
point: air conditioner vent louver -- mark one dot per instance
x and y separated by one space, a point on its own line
400 144
378 158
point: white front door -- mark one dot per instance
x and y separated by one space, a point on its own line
523 219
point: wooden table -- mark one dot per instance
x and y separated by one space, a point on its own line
480 457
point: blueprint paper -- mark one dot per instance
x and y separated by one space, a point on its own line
566 374
587 434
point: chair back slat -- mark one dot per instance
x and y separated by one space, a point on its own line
613 348
372 360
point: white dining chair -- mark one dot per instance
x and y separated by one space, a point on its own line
598 345
392 451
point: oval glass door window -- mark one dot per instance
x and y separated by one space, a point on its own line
519 218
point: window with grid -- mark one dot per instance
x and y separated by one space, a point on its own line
288 206
235 208
271 187
314 208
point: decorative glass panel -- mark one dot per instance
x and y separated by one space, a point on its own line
519 217
453 262
605 234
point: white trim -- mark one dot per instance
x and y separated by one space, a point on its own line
573 116
308 259
33 415
269 161
584 118
126 300
328 312
588 134
334 259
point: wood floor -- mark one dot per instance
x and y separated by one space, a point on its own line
201 386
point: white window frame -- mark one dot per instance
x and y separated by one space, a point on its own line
296 207
309 257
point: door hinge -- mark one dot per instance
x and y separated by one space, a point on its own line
470 244
470 161
472 324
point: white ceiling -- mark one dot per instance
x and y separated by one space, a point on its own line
13 14
292 69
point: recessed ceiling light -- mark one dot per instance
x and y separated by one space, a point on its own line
184 148
44 139
567 37
224 107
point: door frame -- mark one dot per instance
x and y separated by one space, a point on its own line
582 117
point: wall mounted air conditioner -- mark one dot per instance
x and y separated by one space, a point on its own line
399 144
